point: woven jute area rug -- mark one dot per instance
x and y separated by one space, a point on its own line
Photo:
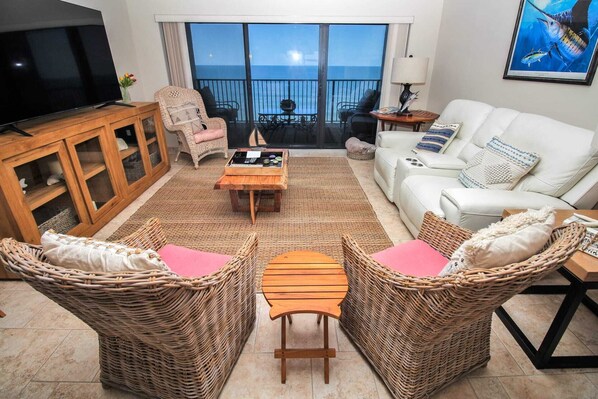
324 201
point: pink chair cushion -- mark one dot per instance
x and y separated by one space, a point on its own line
190 262
413 258
207 135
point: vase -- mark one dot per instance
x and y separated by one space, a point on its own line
126 95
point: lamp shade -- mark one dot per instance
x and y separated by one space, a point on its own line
410 70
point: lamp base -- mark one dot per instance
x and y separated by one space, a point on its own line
404 98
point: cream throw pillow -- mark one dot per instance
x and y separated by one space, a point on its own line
499 166
186 113
511 240
91 255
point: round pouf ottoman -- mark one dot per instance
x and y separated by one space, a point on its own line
357 149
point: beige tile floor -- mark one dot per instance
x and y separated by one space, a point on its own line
45 352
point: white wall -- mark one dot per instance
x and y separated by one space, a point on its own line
148 45
474 41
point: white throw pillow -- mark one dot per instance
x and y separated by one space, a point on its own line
91 255
186 113
511 240
498 166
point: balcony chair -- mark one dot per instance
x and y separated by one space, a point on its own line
227 110
160 334
366 103
197 143
423 333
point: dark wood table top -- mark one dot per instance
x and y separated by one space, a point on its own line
418 116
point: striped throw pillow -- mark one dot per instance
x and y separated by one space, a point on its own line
438 137
498 166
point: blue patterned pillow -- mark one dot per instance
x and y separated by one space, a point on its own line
498 166
438 137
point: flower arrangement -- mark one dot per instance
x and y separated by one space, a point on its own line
127 80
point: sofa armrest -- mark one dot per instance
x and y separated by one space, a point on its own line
440 161
396 139
475 208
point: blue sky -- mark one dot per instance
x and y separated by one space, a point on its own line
289 44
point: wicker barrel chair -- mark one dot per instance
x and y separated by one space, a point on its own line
172 96
421 334
160 334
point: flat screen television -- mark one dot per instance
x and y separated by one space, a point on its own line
54 57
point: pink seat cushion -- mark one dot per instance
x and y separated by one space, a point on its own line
413 258
207 135
190 262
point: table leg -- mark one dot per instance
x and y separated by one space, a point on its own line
2 314
326 359
283 346
290 319
252 206
234 200
277 200
319 318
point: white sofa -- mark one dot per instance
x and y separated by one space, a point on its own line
565 177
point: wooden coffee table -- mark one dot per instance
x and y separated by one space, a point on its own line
304 282
259 184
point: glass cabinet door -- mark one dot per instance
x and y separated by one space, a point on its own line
95 177
49 193
129 142
148 122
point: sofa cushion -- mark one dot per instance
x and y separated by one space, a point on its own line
367 101
413 258
207 135
186 113
499 166
440 161
566 152
471 115
88 254
438 137
209 101
495 125
191 262
419 194
511 240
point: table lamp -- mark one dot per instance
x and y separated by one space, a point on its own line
407 71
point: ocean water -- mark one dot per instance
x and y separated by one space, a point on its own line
285 72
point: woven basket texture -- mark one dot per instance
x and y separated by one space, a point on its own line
361 157
160 335
423 333
324 201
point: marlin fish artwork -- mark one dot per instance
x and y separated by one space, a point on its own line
568 30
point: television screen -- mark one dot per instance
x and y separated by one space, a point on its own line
53 61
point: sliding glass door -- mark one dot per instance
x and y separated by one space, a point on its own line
217 56
299 85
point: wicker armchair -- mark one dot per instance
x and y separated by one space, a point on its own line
161 335
421 334
171 96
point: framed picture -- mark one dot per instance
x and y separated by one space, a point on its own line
554 41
